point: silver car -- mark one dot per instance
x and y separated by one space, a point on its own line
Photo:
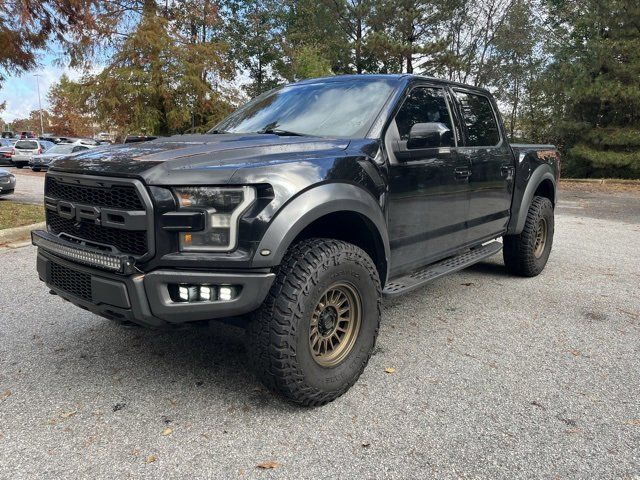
7 182
42 160
23 150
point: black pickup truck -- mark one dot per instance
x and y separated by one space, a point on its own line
295 215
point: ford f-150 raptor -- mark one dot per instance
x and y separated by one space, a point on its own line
296 215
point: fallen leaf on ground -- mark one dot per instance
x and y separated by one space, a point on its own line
390 370
635 421
68 414
5 394
366 445
574 430
167 431
268 465
150 459
574 352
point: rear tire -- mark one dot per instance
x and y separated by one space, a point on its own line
19 166
35 169
526 254
316 330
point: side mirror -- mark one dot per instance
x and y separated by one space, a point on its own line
429 135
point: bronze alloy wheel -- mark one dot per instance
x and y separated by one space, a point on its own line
335 324
541 238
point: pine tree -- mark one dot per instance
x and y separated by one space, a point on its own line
597 70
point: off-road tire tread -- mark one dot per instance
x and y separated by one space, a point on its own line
518 249
271 331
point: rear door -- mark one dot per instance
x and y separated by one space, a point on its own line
491 162
428 186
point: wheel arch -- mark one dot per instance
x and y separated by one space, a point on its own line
335 210
541 183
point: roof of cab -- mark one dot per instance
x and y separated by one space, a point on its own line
388 76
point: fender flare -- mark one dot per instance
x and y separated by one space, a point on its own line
540 174
311 205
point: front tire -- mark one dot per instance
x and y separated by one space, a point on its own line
526 254
315 332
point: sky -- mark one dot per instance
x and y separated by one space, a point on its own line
21 91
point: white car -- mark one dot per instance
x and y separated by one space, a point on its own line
24 150
85 142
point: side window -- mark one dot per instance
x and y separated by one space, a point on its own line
478 116
424 105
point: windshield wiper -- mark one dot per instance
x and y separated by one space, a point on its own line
282 133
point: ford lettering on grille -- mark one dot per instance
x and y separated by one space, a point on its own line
106 213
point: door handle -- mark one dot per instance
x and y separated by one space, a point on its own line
507 170
462 172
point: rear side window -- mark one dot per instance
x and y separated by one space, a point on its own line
26 145
423 105
478 117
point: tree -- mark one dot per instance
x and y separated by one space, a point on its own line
32 123
596 76
256 32
515 63
404 31
166 74
71 114
26 28
469 31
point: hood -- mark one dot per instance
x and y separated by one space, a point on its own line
217 157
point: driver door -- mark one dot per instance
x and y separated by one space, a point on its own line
429 182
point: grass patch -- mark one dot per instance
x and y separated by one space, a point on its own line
14 214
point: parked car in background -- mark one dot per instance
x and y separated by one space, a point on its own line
41 161
23 150
138 138
8 134
7 182
6 149
79 141
24 135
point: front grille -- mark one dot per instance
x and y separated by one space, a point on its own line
127 241
117 196
71 281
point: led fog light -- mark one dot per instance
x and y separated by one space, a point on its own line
207 293
227 293
187 293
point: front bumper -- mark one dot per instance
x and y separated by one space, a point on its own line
144 298
7 188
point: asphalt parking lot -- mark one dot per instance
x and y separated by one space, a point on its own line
29 185
495 377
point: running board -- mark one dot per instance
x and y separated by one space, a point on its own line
418 278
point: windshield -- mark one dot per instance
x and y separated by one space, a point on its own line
61 149
26 145
326 109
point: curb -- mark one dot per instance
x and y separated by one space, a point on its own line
601 181
18 234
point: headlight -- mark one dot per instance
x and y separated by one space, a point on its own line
223 207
